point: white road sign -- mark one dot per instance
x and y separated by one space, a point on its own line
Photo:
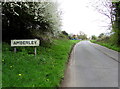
28 42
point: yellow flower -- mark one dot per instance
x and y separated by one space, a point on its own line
20 74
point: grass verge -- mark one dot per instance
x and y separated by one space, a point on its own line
108 45
46 69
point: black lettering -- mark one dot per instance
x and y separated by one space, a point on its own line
20 42
24 42
32 42
35 42
27 42
14 42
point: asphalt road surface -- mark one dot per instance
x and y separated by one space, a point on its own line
91 65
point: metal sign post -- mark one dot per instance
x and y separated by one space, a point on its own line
15 50
35 51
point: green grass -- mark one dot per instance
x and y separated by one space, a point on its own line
46 69
108 45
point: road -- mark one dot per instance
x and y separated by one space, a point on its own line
91 66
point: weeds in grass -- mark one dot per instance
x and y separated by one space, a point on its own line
108 45
46 69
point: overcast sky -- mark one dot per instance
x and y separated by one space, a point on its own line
78 15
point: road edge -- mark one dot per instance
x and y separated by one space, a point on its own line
106 53
67 64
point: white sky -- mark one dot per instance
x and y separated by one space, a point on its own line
78 17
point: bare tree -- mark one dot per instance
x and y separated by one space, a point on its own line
104 7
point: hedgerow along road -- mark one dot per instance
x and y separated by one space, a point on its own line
91 65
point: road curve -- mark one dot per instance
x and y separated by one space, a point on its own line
90 66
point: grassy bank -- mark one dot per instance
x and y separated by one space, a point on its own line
108 45
23 69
